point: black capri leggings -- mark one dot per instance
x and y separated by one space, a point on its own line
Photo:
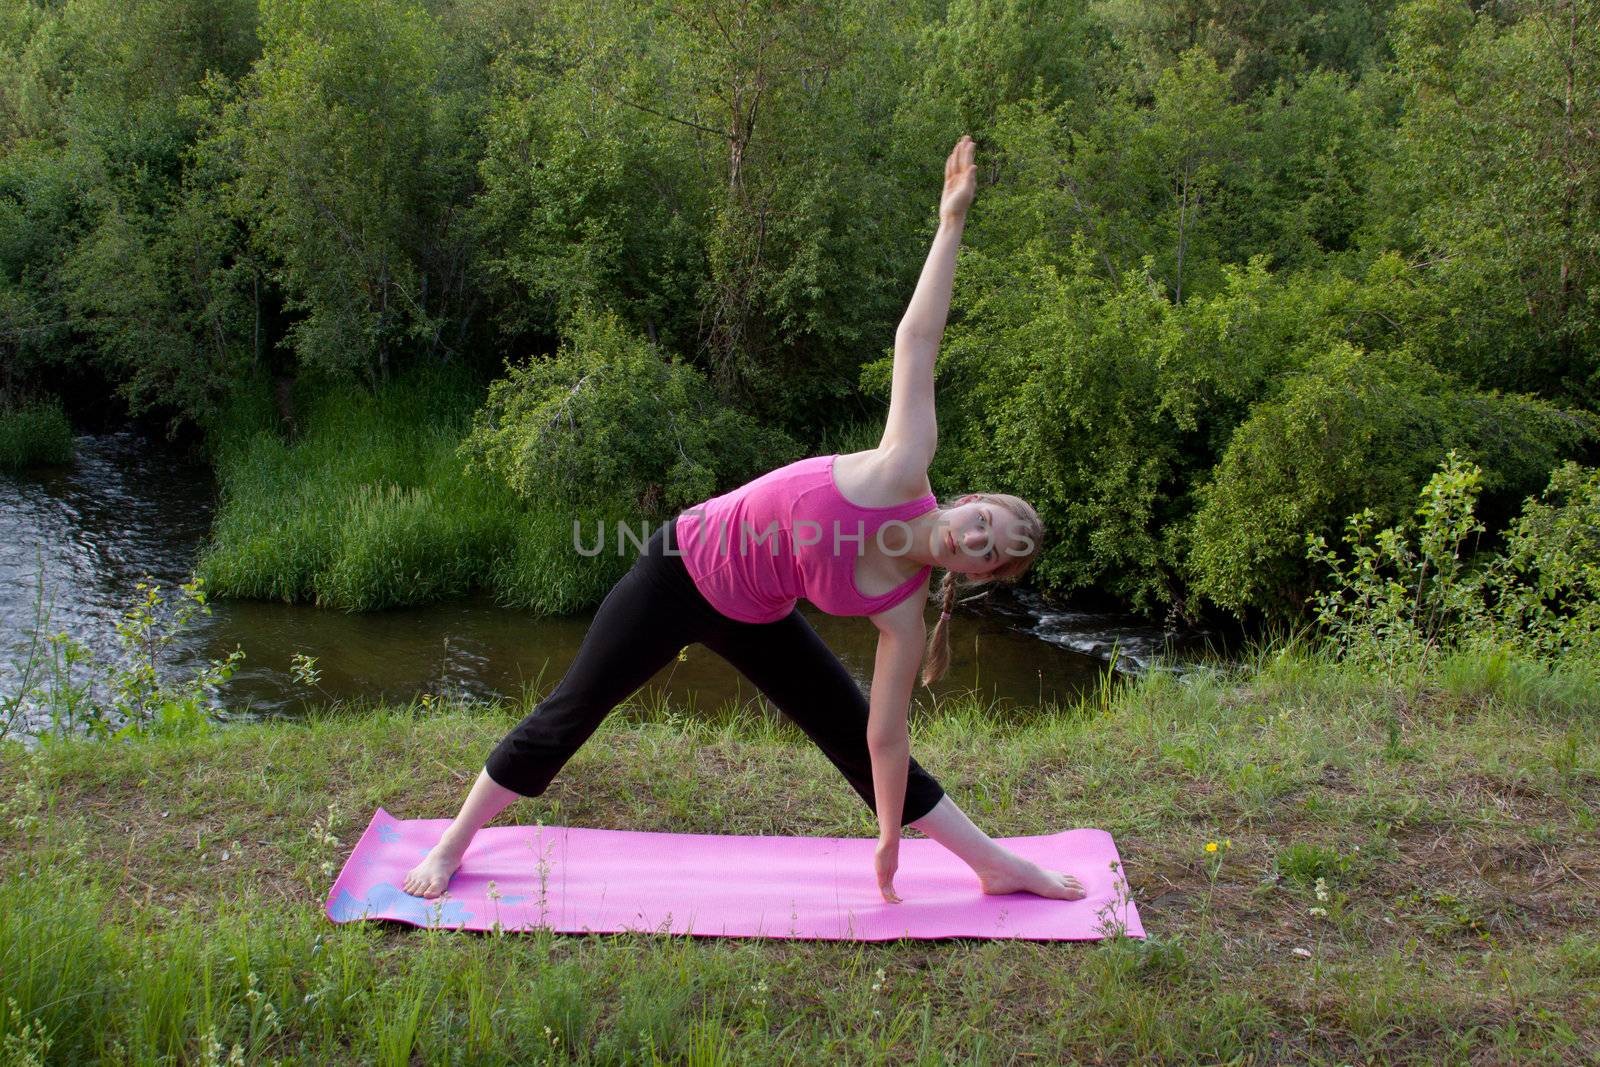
642 625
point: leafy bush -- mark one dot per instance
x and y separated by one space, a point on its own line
609 423
1546 585
1352 431
1062 388
1394 602
1178 453
68 688
1410 592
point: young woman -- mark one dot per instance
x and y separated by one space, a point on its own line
855 535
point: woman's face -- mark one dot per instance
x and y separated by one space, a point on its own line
977 536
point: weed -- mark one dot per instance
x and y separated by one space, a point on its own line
1306 863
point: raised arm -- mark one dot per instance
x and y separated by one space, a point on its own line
911 431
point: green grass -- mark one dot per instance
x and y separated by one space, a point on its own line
1452 819
372 508
34 436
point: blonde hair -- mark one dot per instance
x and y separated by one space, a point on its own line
937 658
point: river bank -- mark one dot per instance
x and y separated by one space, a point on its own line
84 535
164 893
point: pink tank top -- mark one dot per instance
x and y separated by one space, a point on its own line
755 550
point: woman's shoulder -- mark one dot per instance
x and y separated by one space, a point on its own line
878 477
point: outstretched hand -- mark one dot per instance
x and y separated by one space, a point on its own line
960 179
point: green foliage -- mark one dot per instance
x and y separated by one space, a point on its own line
68 688
397 545
1046 391
1501 191
987 54
1395 602
371 508
110 253
1318 146
34 435
1410 593
138 58
1351 431
543 572
31 73
1105 404
163 295
351 141
584 199
704 170
608 422
40 217
1305 863
1259 44
1156 187
1233 273
1546 583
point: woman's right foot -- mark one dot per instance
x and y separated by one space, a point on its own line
431 877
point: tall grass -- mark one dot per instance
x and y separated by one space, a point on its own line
34 435
373 508
541 569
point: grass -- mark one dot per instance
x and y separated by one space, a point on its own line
34 436
373 509
1404 873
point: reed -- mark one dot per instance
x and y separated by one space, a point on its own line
372 508
34 435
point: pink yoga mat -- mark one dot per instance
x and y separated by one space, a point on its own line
609 881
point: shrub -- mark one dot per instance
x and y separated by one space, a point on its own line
609 423
68 688
1546 585
1410 591
1354 431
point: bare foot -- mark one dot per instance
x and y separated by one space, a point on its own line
1024 876
430 877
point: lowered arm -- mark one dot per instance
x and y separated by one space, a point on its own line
901 632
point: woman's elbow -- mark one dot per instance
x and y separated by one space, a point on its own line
887 742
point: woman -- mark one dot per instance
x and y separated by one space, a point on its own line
856 535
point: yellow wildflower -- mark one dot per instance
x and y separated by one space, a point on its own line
1211 846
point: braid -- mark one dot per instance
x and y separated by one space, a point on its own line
937 659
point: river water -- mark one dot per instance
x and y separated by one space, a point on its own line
127 508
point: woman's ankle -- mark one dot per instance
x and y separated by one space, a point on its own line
455 841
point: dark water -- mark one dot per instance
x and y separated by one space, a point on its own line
127 508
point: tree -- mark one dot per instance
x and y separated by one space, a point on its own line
1500 143
354 154
715 170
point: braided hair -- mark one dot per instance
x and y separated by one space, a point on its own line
937 658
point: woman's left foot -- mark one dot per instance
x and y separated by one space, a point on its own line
1018 875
